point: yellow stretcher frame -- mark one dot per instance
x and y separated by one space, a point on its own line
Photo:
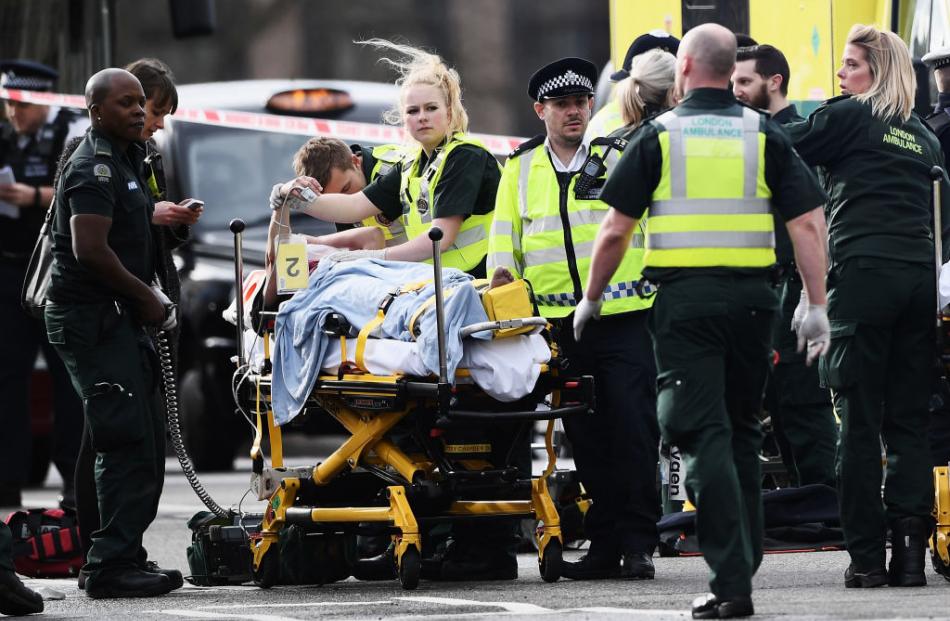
367 445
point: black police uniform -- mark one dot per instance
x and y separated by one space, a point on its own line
881 303
33 161
108 353
802 415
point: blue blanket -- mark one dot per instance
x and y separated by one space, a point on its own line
355 290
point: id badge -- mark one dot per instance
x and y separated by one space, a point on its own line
292 269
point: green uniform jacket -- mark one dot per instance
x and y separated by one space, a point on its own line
877 175
99 179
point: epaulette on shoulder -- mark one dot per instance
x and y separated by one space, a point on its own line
527 146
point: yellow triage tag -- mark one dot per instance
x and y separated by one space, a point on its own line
292 269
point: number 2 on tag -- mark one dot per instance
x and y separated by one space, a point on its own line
292 269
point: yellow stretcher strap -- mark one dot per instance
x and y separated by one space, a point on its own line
364 334
377 320
416 316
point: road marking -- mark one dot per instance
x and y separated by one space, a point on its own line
639 612
507 606
197 614
295 605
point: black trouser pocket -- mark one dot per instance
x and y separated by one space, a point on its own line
113 415
838 369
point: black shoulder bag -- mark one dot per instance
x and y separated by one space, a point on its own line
36 282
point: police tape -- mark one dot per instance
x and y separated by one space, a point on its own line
348 131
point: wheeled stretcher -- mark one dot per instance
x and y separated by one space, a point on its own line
421 449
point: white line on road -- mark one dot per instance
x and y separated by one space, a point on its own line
641 612
507 606
295 605
197 614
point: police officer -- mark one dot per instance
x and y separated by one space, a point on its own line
876 156
609 118
710 171
801 412
99 303
30 144
547 212
939 122
15 598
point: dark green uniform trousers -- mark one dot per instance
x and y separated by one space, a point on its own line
712 335
113 367
880 370
6 547
801 410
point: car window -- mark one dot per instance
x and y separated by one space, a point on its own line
233 171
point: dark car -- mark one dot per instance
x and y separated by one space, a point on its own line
233 169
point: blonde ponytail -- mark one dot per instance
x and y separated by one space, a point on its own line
650 85
416 66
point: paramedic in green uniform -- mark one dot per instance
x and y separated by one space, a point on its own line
711 171
15 598
99 304
800 409
876 156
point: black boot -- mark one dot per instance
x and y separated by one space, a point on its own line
855 578
908 547
17 599
126 582
713 607
175 579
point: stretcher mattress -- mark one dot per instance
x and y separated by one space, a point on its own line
506 369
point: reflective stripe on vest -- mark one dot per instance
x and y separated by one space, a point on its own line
528 236
711 207
415 192
387 156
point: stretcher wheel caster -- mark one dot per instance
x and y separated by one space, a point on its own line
550 562
268 573
410 566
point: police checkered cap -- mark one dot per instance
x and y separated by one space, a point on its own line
937 58
568 76
27 75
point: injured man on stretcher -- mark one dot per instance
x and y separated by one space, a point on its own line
392 303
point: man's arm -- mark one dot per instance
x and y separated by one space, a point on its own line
342 208
24 195
91 248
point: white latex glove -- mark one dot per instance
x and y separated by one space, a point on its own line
354 255
815 331
799 315
171 309
584 312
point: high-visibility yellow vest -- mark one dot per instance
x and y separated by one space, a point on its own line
385 157
416 193
711 207
545 233
607 120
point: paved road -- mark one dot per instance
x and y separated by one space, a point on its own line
788 586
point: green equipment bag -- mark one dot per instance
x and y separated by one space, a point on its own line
314 558
219 553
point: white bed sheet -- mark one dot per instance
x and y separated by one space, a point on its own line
506 369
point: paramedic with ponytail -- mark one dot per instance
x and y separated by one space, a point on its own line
447 180
710 172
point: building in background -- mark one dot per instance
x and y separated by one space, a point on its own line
494 44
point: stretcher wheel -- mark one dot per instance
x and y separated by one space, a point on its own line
410 566
268 573
550 562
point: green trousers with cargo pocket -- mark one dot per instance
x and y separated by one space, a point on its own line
880 369
712 336
801 409
114 369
